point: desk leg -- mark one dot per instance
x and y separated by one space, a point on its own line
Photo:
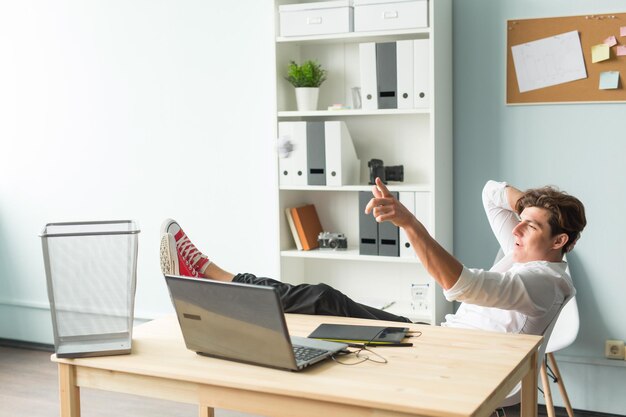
529 390
205 411
69 393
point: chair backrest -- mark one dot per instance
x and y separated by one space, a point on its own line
566 327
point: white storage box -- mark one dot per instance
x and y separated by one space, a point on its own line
372 15
321 18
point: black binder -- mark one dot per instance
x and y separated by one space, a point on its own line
368 228
389 237
316 153
387 75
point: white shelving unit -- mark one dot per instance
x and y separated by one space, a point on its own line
420 139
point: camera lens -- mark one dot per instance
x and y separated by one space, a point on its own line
332 244
395 173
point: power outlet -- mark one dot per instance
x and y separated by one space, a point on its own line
614 349
419 298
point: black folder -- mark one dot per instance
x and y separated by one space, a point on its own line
316 153
368 228
368 335
389 237
387 75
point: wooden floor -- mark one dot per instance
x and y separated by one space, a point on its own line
29 388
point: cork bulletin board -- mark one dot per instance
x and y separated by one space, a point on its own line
592 30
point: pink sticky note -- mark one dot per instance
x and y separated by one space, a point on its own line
621 50
622 31
610 41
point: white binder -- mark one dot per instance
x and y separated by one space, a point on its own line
423 212
342 162
421 80
367 61
407 199
404 59
292 163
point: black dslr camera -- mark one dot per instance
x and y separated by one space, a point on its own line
377 169
333 241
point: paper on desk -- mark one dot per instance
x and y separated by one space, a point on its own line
549 61
609 80
622 31
621 50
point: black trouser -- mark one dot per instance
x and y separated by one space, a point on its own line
318 299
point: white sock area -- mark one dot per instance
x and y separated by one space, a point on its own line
204 267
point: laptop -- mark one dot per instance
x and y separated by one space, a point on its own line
243 323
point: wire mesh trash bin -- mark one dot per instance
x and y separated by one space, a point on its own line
91 273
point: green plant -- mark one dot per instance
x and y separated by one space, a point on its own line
309 74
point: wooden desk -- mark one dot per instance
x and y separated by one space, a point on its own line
448 372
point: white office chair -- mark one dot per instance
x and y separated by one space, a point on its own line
560 334
563 335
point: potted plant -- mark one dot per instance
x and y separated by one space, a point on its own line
306 78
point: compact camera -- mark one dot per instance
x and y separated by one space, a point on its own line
333 241
378 169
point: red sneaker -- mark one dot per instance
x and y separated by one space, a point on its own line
172 263
187 250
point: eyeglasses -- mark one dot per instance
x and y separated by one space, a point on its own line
363 353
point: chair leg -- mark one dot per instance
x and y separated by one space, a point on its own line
546 389
559 381
499 413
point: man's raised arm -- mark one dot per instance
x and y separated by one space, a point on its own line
499 201
440 264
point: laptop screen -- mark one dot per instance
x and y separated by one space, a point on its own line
232 321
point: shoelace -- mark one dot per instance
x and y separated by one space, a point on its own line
192 270
189 252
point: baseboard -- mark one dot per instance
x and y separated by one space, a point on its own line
21 344
513 411
562 412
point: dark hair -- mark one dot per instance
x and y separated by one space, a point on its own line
567 213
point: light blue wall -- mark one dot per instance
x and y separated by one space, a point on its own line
579 147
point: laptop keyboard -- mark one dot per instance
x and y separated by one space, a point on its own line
304 353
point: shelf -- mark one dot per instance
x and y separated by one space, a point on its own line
419 138
329 113
354 37
344 255
346 188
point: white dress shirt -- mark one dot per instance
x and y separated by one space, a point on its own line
510 297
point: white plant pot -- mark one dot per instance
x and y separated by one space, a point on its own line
306 98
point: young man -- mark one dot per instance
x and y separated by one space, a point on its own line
520 294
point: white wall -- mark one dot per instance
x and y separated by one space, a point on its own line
138 110
578 147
